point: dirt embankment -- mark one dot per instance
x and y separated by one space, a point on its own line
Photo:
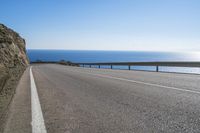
13 62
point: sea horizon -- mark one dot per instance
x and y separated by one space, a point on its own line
92 56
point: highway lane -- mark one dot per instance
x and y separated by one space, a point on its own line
107 101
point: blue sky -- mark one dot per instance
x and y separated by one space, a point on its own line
145 25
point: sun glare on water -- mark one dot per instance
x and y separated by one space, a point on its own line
195 56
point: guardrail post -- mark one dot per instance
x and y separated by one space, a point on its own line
111 66
129 67
157 68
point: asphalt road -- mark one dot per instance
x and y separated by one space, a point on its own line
84 100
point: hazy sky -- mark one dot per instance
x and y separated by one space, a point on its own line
155 25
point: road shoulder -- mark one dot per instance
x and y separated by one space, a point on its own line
19 117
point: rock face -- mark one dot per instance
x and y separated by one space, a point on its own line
13 62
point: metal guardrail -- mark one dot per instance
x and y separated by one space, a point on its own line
156 64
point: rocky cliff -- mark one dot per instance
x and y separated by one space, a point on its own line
13 62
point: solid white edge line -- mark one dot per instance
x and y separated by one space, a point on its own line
37 123
140 82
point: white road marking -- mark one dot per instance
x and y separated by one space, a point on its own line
38 125
145 83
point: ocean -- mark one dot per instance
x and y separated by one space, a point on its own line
78 56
